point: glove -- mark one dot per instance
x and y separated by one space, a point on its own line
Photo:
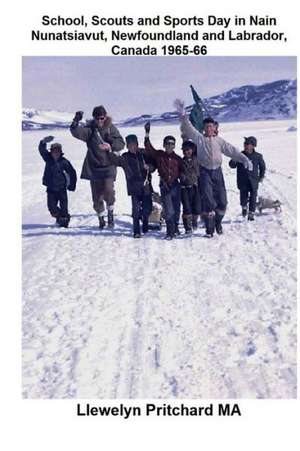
147 127
261 179
179 106
78 116
47 139
248 165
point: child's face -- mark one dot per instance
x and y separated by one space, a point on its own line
56 153
249 148
132 147
188 153
209 129
169 146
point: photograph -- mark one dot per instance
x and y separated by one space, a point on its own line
159 227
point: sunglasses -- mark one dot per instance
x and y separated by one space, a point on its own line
170 143
100 118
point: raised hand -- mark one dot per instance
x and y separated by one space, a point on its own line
48 139
179 106
78 116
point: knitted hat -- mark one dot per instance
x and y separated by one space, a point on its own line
131 139
169 140
56 146
188 144
251 140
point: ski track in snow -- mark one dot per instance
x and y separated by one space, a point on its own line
106 316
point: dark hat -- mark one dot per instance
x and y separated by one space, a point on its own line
56 146
208 120
131 139
99 111
169 140
251 140
188 144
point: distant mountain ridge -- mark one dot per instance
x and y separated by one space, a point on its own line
269 101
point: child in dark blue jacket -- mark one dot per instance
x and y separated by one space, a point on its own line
59 175
247 181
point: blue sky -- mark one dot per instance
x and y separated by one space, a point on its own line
135 85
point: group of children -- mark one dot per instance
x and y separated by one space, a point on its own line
194 181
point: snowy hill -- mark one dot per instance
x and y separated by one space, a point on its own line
276 100
40 120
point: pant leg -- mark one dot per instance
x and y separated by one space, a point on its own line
186 201
52 203
219 192
146 205
136 208
199 195
168 208
97 189
166 199
252 199
195 201
109 193
63 203
244 196
176 197
206 188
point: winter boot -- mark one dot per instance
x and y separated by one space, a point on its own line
187 223
244 211
101 222
210 225
176 230
63 221
136 228
145 227
110 219
170 230
195 222
251 216
218 223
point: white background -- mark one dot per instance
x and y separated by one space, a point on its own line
44 425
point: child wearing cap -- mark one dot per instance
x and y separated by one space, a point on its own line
190 196
59 175
248 181
137 166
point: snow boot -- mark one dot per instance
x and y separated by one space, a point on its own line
101 222
210 225
218 223
63 221
251 216
244 211
176 230
110 219
145 227
195 222
170 230
136 228
187 223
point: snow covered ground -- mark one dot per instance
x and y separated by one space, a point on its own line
107 316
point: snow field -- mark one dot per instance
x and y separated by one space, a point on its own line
106 316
